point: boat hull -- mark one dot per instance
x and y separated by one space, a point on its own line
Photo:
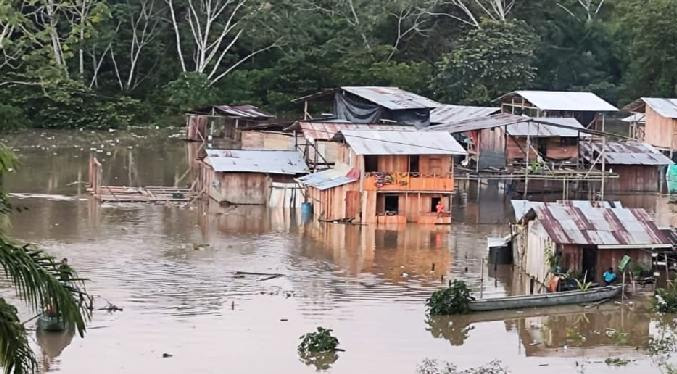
548 299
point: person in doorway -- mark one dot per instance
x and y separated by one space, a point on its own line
609 276
440 209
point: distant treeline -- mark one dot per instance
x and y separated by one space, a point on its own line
97 63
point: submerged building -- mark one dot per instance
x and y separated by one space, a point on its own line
224 121
252 177
658 125
387 176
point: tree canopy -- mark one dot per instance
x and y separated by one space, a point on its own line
111 63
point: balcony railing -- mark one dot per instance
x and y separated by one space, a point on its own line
378 181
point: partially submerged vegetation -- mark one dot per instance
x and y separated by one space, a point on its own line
428 366
451 300
665 300
319 348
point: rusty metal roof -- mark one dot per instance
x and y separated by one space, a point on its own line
327 130
456 113
237 111
581 225
324 180
380 142
565 101
665 107
624 153
392 98
522 207
256 161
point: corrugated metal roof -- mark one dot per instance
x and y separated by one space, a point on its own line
522 207
568 224
329 178
327 130
544 131
665 107
257 161
635 117
372 142
565 101
624 153
392 98
516 125
457 113
242 111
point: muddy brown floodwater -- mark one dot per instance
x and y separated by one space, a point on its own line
183 297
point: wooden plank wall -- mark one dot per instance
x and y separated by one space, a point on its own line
634 178
238 188
491 147
659 131
556 151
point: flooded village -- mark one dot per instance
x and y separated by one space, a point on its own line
224 241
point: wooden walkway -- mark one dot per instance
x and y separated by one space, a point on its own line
148 194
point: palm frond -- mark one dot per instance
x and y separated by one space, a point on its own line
16 356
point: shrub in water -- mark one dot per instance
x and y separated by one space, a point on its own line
452 300
320 341
666 299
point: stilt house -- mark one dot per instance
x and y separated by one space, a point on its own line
660 121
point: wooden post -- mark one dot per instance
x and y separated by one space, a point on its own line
305 110
603 158
526 169
481 277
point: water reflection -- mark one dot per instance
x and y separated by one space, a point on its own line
52 344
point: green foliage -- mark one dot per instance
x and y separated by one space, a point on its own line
488 62
616 361
665 299
38 280
11 117
451 300
583 285
320 341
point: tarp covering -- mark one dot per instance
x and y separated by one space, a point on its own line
672 179
357 110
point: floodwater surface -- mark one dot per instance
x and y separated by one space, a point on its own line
174 271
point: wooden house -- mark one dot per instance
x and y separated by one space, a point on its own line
223 121
252 177
393 177
586 107
660 121
639 166
500 140
371 104
583 239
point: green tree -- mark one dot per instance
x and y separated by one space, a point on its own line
489 61
39 281
649 30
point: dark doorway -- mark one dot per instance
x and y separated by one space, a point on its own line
370 164
433 203
392 204
414 164
543 147
589 263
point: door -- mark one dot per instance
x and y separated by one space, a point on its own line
589 263
352 204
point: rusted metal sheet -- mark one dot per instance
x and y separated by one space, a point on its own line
456 113
257 161
245 111
582 225
624 153
314 131
562 101
373 142
324 180
392 98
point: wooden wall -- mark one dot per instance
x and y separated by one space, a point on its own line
239 188
491 146
660 131
332 204
252 139
634 178
515 147
553 149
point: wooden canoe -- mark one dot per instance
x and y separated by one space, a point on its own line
547 299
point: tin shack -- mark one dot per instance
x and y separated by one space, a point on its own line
583 239
223 121
660 121
640 167
394 177
252 177
588 108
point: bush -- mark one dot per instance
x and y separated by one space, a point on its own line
318 342
452 300
666 299
428 366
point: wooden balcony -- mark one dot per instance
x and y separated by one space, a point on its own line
408 182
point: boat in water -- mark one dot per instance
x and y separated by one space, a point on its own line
51 323
547 299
